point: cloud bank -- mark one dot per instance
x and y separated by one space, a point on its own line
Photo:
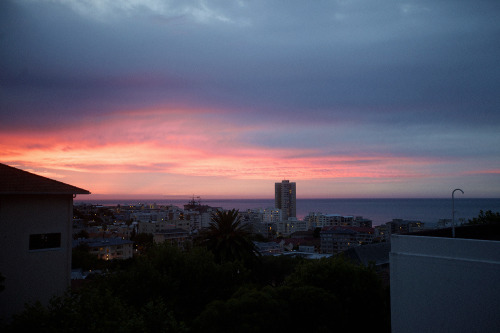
347 98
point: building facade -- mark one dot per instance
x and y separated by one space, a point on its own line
336 239
441 284
285 199
397 226
271 215
320 220
108 248
175 237
36 215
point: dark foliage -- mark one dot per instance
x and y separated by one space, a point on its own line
167 290
227 238
81 234
319 296
487 217
273 271
82 258
142 241
249 310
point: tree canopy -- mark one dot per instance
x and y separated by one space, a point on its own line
228 238
168 290
486 218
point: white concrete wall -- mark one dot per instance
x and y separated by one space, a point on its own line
444 284
40 274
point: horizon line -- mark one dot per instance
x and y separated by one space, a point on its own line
201 198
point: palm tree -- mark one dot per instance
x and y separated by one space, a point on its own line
228 238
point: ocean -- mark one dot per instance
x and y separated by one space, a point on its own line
379 211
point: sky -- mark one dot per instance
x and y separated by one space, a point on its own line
221 99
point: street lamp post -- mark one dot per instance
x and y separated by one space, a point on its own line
453 210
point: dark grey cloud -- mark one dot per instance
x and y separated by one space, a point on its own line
387 62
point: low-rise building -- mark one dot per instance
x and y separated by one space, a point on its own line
36 215
183 224
270 248
397 226
400 226
335 239
306 248
302 234
383 233
360 221
271 215
108 248
176 237
252 216
320 220
152 227
376 254
267 230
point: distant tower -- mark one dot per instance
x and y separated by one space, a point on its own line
285 199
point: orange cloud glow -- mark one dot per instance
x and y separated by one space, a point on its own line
169 153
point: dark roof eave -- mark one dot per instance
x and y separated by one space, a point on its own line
15 181
76 191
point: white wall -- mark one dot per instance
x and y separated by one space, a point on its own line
444 284
40 274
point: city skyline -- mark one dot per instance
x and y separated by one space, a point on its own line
152 99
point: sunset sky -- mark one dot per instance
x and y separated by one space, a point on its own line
349 99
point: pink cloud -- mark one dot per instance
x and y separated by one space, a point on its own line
170 151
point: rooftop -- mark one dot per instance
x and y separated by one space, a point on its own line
376 253
172 231
480 231
97 242
17 181
346 229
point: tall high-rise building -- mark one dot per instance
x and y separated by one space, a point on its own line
285 199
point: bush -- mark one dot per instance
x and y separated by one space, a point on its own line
166 290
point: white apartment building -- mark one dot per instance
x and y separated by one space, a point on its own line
320 220
152 227
198 220
271 215
176 237
335 239
252 216
148 216
286 228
